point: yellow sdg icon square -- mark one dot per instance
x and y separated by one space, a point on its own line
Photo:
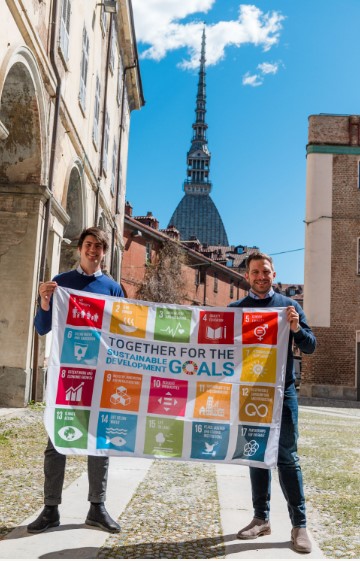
129 319
258 365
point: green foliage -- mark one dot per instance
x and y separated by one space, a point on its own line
5 438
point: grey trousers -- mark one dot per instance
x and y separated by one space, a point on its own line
54 470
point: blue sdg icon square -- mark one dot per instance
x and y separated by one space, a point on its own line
81 346
251 443
116 431
209 441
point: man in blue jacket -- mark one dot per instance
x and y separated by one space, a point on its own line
92 246
260 274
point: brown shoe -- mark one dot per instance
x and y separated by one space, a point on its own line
255 529
300 540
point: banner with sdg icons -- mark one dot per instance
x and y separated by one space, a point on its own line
131 378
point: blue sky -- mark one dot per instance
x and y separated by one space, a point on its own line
270 65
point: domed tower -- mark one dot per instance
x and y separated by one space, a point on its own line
196 215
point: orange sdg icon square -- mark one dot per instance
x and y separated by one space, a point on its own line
260 328
129 319
121 391
212 401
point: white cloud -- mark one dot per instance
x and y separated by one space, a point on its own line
268 68
253 80
158 26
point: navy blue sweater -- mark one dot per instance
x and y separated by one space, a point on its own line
304 339
101 284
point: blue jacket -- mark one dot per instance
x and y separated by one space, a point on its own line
304 339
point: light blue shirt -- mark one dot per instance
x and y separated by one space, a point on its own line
256 297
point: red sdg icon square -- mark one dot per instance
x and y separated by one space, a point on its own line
85 311
168 397
216 328
260 328
75 386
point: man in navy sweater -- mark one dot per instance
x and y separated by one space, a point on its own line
92 246
260 274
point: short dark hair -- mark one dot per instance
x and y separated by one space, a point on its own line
98 233
256 256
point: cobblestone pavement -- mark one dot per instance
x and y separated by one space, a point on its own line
167 517
175 504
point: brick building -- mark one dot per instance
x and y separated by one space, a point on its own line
69 80
332 257
207 282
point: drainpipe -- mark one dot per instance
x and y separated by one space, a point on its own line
101 167
118 186
117 191
48 203
53 141
113 231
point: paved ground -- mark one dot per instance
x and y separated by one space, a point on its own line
73 540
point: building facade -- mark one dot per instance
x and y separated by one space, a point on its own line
206 282
332 257
69 80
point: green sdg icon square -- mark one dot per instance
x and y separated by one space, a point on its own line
164 437
172 325
71 428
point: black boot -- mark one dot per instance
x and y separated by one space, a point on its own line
98 516
49 517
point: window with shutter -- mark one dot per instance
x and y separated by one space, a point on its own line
103 20
84 69
148 249
113 169
216 284
95 134
119 83
232 289
106 142
112 50
65 29
119 193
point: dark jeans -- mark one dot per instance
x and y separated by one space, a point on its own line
289 469
54 469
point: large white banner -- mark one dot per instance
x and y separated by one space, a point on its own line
131 378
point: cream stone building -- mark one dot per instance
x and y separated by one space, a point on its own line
69 80
332 257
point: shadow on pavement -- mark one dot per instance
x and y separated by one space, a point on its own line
78 553
208 548
21 532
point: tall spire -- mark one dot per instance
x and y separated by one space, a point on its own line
198 157
196 215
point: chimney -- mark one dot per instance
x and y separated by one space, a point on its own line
128 209
172 232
